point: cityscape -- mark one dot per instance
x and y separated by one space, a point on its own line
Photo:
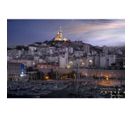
66 58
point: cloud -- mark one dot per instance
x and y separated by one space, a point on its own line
104 33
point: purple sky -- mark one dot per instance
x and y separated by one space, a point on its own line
95 31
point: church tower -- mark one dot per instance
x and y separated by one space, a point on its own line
59 35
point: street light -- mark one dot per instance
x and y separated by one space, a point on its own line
82 63
70 62
90 62
68 66
46 77
107 77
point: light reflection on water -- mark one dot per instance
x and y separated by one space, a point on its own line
110 82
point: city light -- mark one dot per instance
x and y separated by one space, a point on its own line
68 66
82 63
22 74
107 77
70 62
90 61
47 77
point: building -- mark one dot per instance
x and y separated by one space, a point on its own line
59 36
34 74
78 53
96 61
105 49
70 50
90 60
112 59
15 71
87 48
63 60
14 54
103 61
52 58
107 60
32 49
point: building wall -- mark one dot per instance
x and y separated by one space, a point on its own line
63 60
103 62
14 70
112 59
97 61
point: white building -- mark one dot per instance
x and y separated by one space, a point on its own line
52 58
14 53
32 49
26 62
63 60
51 50
70 50
78 53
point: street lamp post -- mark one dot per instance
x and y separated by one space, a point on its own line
78 77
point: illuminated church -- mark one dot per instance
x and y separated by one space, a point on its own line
59 36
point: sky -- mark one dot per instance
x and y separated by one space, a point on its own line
98 32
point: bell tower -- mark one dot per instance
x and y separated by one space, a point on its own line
59 35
